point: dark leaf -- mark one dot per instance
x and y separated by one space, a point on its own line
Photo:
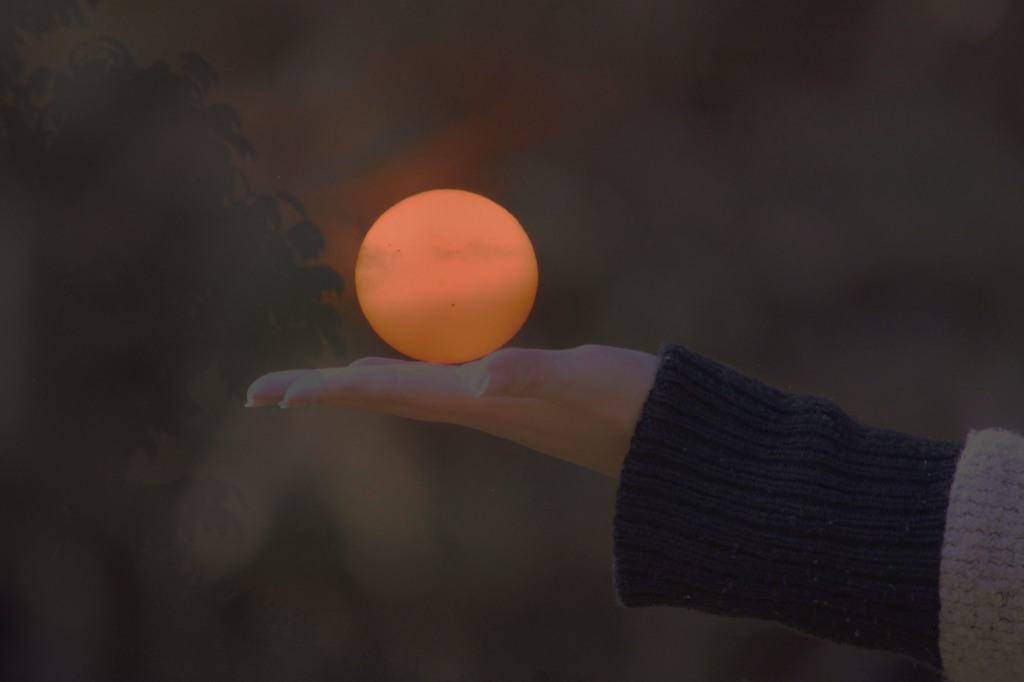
320 278
223 119
306 239
327 321
219 183
307 344
293 201
335 341
240 145
266 210
104 55
246 188
199 70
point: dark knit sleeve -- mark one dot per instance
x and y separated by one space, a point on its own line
740 499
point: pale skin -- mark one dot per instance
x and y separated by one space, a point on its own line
581 404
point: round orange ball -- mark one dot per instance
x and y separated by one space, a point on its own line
446 276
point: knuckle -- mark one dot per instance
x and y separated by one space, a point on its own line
513 372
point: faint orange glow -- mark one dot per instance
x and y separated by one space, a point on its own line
446 276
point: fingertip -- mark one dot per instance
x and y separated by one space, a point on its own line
254 396
260 385
270 388
253 390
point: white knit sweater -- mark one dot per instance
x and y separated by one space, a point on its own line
981 583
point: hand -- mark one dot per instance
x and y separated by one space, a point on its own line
581 404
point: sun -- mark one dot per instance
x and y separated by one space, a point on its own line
446 276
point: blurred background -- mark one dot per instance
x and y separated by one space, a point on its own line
826 195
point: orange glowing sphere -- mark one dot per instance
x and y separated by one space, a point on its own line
446 276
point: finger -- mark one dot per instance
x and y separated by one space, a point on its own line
414 389
270 388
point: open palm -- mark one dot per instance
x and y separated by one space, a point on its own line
580 404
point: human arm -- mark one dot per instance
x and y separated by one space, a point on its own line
740 499
737 498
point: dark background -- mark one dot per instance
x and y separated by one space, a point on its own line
826 195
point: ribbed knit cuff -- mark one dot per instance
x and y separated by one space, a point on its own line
743 500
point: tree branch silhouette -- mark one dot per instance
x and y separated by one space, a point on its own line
154 258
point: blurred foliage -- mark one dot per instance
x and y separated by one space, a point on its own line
37 18
154 259
161 284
